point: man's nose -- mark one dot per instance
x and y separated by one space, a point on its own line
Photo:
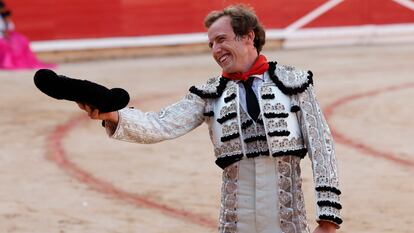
216 48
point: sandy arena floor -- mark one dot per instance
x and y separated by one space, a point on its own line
60 173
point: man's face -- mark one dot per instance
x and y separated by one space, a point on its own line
229 52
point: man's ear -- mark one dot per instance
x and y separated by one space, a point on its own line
250 36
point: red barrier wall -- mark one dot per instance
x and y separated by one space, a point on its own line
69 19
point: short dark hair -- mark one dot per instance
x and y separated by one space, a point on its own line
243 20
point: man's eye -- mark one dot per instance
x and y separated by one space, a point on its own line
210 45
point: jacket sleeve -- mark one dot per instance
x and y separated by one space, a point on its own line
151 127
321 151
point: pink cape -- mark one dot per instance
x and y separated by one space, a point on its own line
15 53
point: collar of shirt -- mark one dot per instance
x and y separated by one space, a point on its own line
257 76
242 92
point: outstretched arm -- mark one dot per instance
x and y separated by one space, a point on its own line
134 125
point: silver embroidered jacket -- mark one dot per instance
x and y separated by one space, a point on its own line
293 126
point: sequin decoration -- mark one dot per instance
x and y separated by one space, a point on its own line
278 107
151 127
322 155
230 94
227 113
228 211
285 198
230 202
230 216
254 137
288 227
228 148
211 85
285 183
302 224
291 77
285 144
277 124
230 131
266 90
291 205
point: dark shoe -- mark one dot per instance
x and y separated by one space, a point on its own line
82 91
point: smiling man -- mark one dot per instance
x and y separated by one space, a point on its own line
263 119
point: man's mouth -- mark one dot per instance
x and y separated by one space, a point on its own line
223 58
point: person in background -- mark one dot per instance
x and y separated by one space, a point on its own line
263 118
15 52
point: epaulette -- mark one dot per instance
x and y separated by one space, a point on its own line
288 79
212 89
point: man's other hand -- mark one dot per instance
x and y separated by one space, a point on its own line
325 227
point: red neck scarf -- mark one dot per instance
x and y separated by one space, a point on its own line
259 67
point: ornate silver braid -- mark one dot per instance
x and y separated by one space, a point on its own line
319 142
292 77
228 211
151 127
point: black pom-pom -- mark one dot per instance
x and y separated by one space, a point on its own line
256 154
295 108
226 161
299 153
255 138
330 203
288 90
208 114
279 133
246 124
276 115
328 189
230 98
331 218
215 94
82 91
229 137
268 96
227 117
